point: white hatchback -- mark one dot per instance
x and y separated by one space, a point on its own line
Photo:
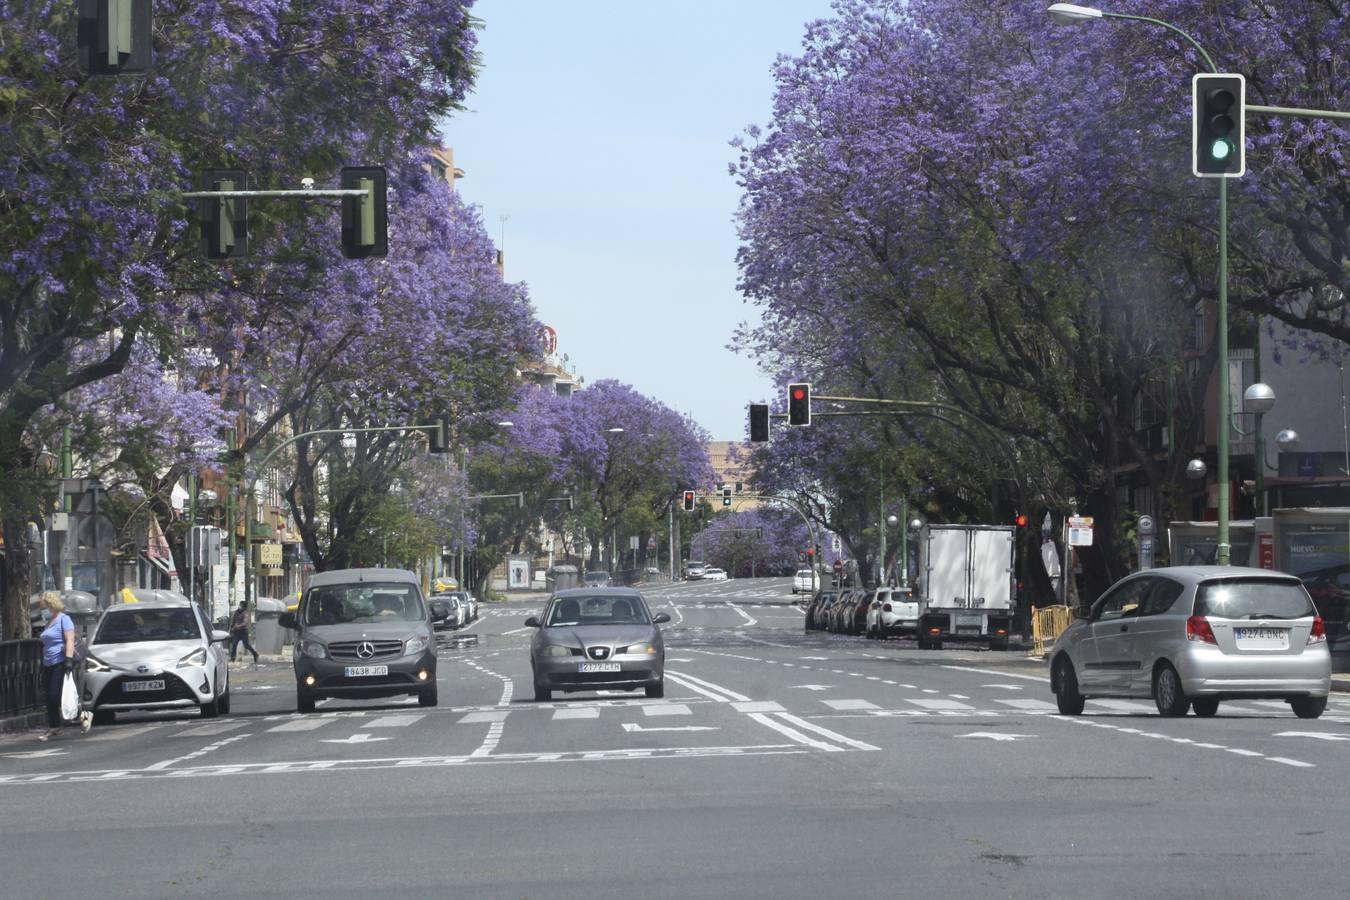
804 582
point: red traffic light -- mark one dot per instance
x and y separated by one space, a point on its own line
810 552
1021 520
799 394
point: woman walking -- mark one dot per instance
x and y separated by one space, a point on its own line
58 656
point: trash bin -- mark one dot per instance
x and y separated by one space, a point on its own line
560 578
267 633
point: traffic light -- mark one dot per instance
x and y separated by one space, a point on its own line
113 36
438 436
688 501
1020 520
759 423
224 220
365 220
799 404
726 496
1218 145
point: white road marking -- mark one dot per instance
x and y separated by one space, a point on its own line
395 721
120 733
849 704
301 725
958 696
633 726
35 754
995 736
1001 674
1291 762
677 679
1124 705
832 735
209 730
518 630
1316 735
1003 687
164 764
757 706
1028 704
793 734
665 709
359 738
749 620
733 695
583 712
492 715
494 737
940 704
814 687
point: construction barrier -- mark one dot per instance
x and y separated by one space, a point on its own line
1047 624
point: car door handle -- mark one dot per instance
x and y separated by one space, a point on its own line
1124 628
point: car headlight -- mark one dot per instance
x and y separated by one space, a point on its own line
94 664
557 650
311 649
195 658
416 645
639 649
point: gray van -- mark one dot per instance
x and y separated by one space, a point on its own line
363 633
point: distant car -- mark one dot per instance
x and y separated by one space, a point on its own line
816 606
892 611
446 611
597 579
592 639
1193 636
156 654
693 570
714 575
804 582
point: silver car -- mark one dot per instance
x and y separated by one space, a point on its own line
1193 636
597 639
156 654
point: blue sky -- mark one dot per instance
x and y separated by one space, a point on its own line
600 128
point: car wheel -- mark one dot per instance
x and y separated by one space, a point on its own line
104 716
541 693
1167 693
210 709
304 701
1205 706
1308 707
1064 682
656 691
427 696
224 703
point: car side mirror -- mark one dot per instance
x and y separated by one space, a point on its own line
660 618
532 622
219 637
1082 612
287 620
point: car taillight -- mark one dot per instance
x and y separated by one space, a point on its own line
885 607
1197 629
1318 635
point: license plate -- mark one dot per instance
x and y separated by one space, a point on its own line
363 671
967 621
1265 637
133 686
598 667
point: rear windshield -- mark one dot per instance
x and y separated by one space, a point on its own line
368 601
596 611
1253 598
134 626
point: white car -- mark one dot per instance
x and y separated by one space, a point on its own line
804 582
892 611
714 575
158 654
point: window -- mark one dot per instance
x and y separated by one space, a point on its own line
1125 600
1253 598
1165 592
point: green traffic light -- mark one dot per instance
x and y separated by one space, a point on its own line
1220 149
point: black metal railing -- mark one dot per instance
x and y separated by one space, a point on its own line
21 678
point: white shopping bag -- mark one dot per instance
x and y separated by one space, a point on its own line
70 699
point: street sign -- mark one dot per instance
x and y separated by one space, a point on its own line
1080 531
839 565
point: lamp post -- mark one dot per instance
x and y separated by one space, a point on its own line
1072 14
1259 399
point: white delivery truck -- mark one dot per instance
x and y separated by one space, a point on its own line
966 584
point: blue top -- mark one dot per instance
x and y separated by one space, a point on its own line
54 640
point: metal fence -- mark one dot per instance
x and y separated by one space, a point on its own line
1047 624
21 678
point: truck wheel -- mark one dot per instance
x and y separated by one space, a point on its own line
998 644
1065 685
1167 693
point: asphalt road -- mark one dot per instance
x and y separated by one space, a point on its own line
779 764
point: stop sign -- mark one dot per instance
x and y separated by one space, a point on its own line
839 565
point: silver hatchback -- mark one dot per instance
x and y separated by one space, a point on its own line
597 639
1193 636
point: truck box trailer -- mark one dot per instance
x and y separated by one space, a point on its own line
966 584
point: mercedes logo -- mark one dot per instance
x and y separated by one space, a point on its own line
365 649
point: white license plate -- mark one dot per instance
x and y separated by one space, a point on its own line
1264 637
133 686
598 667
969 622
362 671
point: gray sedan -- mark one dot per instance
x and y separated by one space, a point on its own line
597 639
1193 636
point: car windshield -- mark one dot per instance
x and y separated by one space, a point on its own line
340 604
1253 598
596 610
137 625
596 577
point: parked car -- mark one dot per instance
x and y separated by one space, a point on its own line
446 611
818 603
714 574
597 639
804 582
835 615
693 569
468 603
1191 637
893 611
363 633
156 654
854 620
597 579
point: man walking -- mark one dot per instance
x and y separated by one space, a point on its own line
239 632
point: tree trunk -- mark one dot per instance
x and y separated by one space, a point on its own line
15 588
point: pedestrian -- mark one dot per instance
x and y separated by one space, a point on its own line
58 656
239 632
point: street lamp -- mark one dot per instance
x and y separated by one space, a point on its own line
1071 14
1196 469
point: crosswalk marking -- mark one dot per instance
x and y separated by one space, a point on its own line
580 712
666 709
941 704
301 725
1028 704
757 706
1125 705
486 716
849 704
394 721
